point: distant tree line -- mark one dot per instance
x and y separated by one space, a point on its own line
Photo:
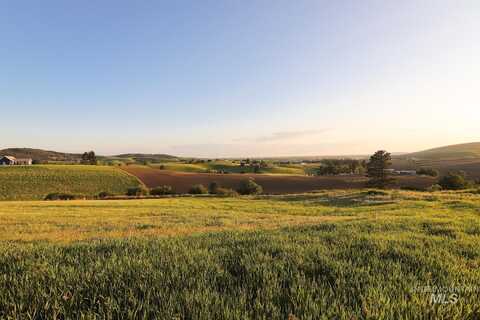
428 172
455 181
341 166
89 158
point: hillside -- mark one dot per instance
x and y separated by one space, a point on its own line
35 182
40 155
457 151
142 157
228 167
45 156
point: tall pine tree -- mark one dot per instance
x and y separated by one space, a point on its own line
377 169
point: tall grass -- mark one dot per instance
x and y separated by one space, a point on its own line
370 266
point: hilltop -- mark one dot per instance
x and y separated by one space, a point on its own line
457 151
45 156
143 157
40 155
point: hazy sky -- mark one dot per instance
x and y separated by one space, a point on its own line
239 78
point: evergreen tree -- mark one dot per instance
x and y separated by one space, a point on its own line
377 169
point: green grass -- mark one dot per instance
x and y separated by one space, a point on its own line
35 182
181 167
332 255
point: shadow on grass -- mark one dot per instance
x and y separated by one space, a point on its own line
357 199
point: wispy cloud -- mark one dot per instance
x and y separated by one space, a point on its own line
283 135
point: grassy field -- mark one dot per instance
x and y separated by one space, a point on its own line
35 182
337 254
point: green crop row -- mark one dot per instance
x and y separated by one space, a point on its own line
35 182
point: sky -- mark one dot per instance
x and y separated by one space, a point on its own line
239 78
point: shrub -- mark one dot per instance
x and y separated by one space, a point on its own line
428 172
412 188
137 191
226 192
161 190
104 194
213 188
454 181
435 187
477 191
376 193
249 187
61 196
198 189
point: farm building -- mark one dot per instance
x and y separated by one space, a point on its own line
7 161
401 172
11 161
406 172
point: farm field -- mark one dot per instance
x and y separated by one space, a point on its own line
273 184
231 167
35 182
464 157
470 166
352 254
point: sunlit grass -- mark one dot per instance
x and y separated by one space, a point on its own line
331 255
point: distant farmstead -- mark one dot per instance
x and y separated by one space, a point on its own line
12 161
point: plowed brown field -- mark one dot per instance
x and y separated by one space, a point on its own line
272 184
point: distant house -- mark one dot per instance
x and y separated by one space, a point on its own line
11 161
24 162
401 172
7 161
407 172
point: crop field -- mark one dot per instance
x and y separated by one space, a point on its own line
35 182
351 254
273 184
230 167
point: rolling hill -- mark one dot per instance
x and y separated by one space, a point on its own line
40 155
457 151
143 157
228 167
47 156
35 182
460 157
